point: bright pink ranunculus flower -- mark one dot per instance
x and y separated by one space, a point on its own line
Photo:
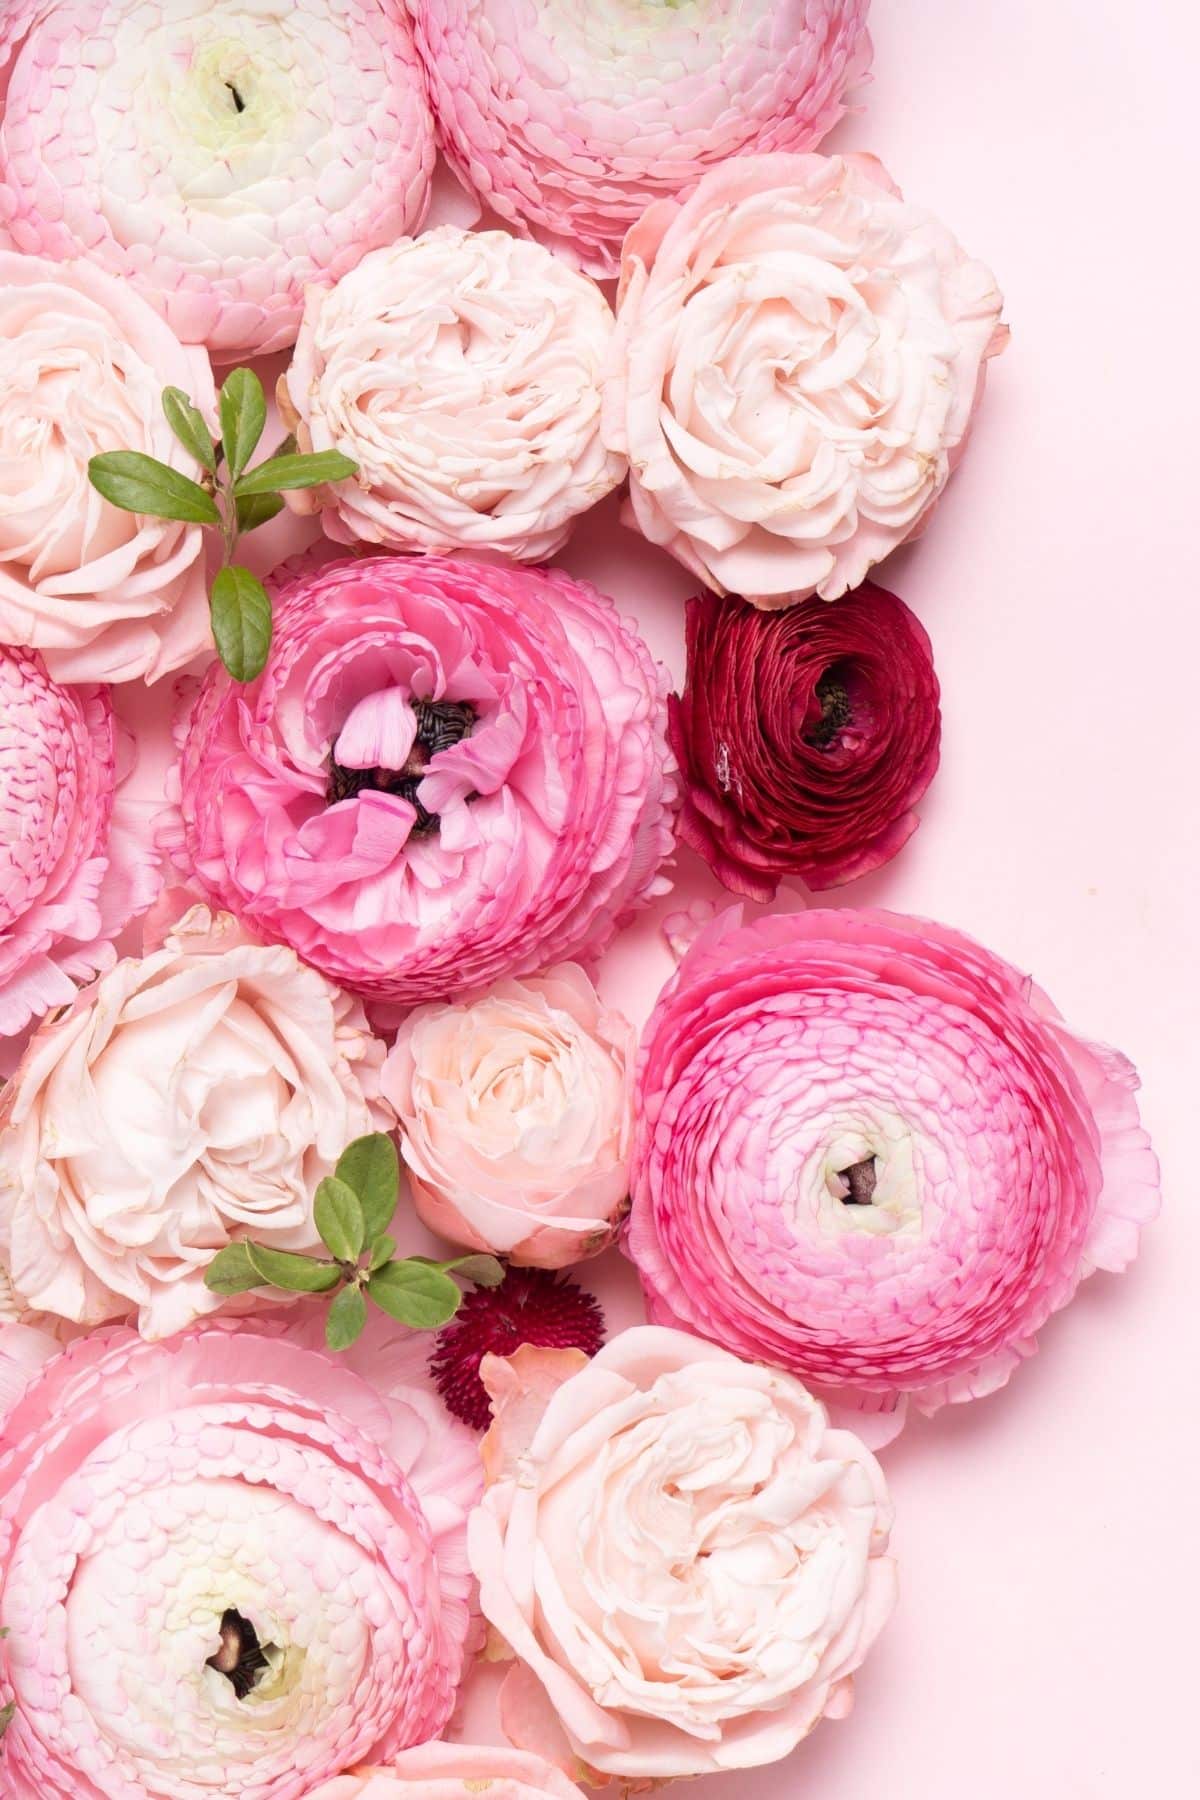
231 1563
449 771
870 1151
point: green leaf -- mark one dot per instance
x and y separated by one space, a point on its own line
382 1251
187 422
347 1316
254 510
296 472
7 1715
298 1274
232 1272
243 410
142 484
414 1294
484 1271
241 622
371 1167
338 1212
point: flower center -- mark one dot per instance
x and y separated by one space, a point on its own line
861 1178
242 1660
440 725
834 702
239 105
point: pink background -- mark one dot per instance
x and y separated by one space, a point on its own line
1044 1645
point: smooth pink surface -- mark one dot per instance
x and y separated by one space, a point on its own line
1044 1645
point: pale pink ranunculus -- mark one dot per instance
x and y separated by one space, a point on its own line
187 1098
454 1772
514 1109
75 863
231 1565
870 1151
449 771
799 353
687 1562
105 595
462 371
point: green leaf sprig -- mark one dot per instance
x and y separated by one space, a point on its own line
229 495
352 1210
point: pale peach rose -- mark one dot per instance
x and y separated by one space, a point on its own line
514 1107
185 1099
686 1560
462 371
453 1772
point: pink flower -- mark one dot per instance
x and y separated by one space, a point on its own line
870 1151
687 1562
452 1771
515 1111
188 1098
448 772
105 595
73 868
231 1564
461 370
570 119
799 352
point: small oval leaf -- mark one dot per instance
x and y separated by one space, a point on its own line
241 622
338 1213
187 422
232 1272
484 1271
141 484
281 472
382 1251
254 510
346 1318
371 1167
243 409
298 1274
414 1294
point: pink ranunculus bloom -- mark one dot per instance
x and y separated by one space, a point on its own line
799 353
74 868
514 1106
105 595
686 1561
453 1772
462 371
448 772
569 118
870 1151
186 1099
230 1565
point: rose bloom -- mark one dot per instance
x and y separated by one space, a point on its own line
74 868
687 1562
230 1565
448 772
451 1771
804 737
105 595
798 355
217 155
461 370
187 1098
870 1151
515 1111
569 119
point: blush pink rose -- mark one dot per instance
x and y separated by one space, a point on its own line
105 595
453 1772
186 1099
687 1562
799 352
448 772
514 1109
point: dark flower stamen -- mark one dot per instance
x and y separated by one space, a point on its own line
440 725
862 1177
242 1660
835 712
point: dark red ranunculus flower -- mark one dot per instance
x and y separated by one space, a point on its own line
805 737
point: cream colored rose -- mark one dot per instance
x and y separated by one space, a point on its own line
185 1099
515 1113
462 371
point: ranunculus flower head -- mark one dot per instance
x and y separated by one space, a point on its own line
216 155
73 867
870 1151
569 119
105 595
530 1306
230 1565
514 1109
451 1772
804 737
448 772
799 352
185 1099
687 1562
462 371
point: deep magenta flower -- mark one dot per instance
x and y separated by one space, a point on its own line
531 1306
870 1151
448 772
804 738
